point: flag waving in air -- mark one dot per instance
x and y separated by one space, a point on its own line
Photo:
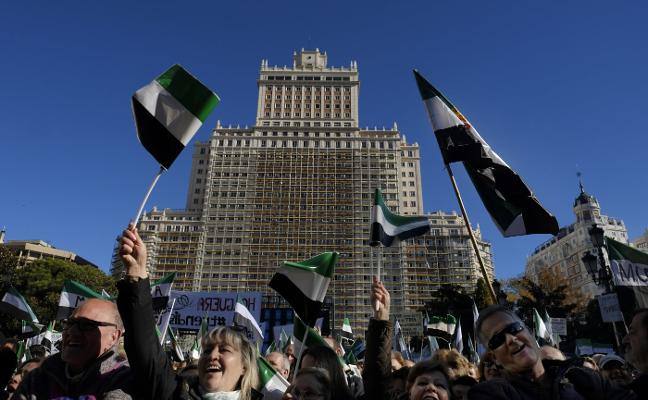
244 318
346 332
271 384
304 284
13 303
161 290
169 111
196 349
510 203
72 295
540 328
387 226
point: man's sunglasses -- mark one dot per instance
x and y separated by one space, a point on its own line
499 338
84 324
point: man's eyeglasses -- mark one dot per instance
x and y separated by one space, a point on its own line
499 338
84 324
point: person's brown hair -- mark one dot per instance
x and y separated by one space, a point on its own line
425 367
452 359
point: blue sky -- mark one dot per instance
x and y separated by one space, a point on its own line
555 88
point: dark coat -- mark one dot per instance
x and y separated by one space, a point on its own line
640 386
377 363
108 378
561 381
148 361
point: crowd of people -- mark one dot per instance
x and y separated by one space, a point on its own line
91 366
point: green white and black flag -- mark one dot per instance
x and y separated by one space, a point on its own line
386 227
442 325
161 290
540 328
346 332
72 296
196 349
169 111
304 284
271 384
306 336
13 303
244 318
509 201
178 354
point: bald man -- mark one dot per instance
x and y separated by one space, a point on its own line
87 366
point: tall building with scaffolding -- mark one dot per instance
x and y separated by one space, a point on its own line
300 182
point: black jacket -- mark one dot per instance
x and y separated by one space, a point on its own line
107 378
148 361
640 386
376 374
562 381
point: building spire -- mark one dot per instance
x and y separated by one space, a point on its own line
580 182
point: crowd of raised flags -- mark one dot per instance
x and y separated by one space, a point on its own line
169 111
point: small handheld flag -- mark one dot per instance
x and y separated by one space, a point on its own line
13 303
169 111
161 290
386 227
72 296
244 318
196 349
271 384
304 284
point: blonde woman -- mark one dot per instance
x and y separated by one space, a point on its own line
227 368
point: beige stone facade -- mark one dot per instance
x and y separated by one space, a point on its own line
300 182
563 252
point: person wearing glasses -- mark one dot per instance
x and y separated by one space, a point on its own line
88 365
227 367
525 375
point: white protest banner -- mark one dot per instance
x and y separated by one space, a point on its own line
609 305
218 307
627 273
559 326
629 265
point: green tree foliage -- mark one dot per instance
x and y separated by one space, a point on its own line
552 293
41 282
481 296
8 265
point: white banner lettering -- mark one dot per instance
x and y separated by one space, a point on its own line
627 273
218 307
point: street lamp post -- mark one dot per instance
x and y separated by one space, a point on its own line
600 275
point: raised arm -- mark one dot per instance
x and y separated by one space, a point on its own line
377 368
153 373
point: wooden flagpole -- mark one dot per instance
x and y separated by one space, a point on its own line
491 291
148 193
